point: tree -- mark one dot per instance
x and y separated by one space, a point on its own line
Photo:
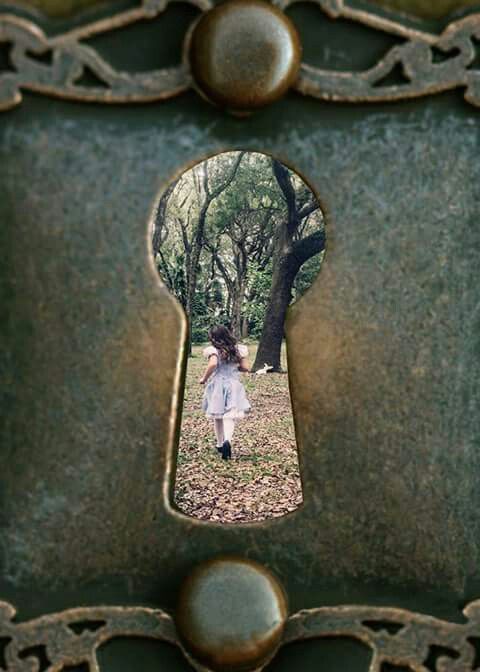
291 251
160 231
210 194
190 216
249 241
229 228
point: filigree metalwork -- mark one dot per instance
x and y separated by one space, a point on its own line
427 63
395 636
72 637
69 59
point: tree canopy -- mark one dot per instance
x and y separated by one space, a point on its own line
233 238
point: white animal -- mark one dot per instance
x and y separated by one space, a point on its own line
261 372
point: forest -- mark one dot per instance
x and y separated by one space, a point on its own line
238 238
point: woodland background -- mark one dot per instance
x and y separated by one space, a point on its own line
236 239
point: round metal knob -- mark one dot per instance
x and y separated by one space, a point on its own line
244 54
231 614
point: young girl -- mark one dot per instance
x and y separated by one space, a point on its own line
224 399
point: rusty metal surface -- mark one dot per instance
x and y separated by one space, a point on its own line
425 64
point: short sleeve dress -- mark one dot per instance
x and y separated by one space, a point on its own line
224 395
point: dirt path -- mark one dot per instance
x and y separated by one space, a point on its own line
262 479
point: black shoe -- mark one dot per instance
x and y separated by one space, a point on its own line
226 451
220 449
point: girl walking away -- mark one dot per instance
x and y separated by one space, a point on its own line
224 399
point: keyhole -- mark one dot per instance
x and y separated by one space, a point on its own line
237 239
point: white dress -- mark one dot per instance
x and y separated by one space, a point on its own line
224 395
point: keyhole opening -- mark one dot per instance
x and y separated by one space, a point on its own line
237 238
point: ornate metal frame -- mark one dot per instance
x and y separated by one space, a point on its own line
395 636
429 63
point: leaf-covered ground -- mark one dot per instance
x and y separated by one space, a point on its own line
262 479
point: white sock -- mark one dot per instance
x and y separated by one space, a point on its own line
218 426
228 428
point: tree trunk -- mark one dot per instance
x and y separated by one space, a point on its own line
193 267
159 233
285 271
236 316
188 313
269 349
239 297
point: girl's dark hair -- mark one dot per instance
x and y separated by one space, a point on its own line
224 341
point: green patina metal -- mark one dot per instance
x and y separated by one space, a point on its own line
427 9
386 392
420 8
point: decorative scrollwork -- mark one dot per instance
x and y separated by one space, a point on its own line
395 636
427 63
69 59
72 637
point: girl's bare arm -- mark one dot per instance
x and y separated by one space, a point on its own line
211 366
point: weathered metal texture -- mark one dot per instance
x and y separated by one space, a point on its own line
428 63
383 358
420 8
426 8
384 395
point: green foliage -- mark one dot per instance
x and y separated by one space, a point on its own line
207 310
261 280
216 298
306 276
200 326
171 268
202 318
238 243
